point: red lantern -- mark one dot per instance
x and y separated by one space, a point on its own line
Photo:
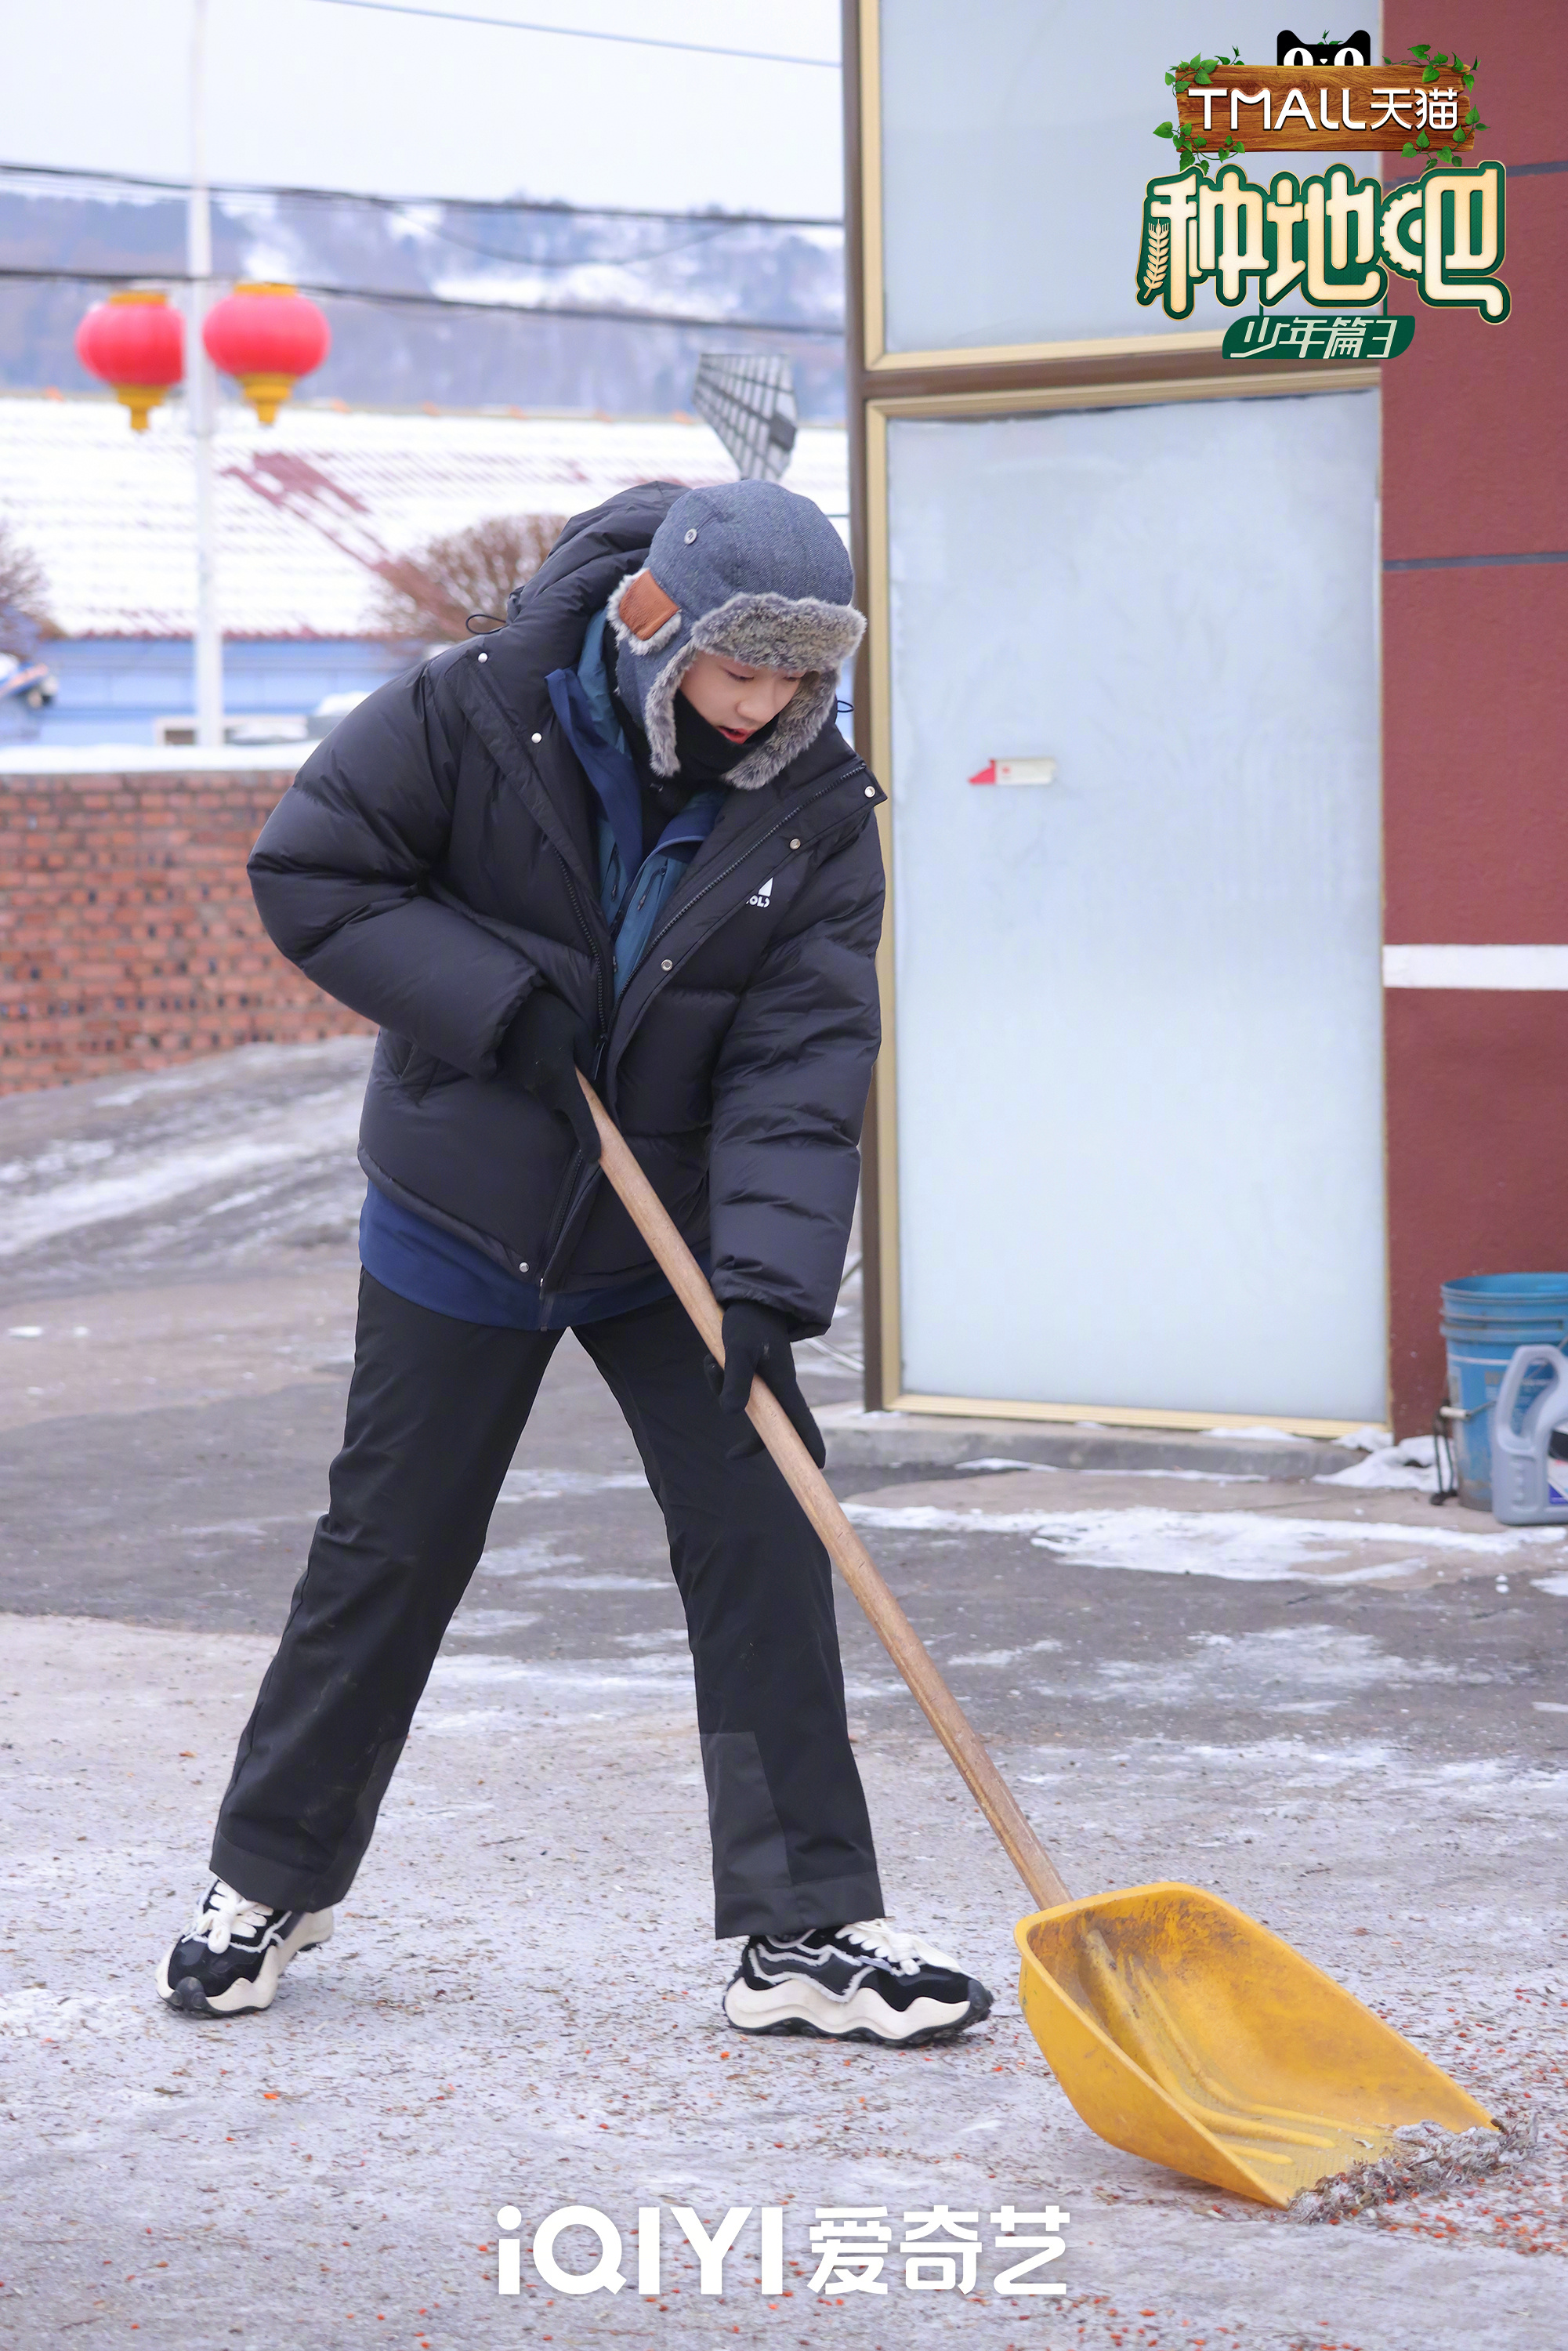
268 336
136 342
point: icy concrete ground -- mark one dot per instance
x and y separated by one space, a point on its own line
520 2007
1297 1694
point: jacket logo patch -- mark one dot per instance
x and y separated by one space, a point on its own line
763 897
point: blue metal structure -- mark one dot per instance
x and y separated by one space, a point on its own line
116 689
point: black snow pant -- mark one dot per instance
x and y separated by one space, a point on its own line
436 1410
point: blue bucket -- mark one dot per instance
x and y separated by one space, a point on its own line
1485 1318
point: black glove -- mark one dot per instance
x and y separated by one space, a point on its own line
757 1342
538 1052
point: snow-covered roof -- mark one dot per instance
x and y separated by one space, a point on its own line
305 506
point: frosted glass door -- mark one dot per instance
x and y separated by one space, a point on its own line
1138 1008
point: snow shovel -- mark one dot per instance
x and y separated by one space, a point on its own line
1181 2030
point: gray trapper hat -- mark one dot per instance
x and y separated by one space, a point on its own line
747 570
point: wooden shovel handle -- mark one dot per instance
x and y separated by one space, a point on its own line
821 1504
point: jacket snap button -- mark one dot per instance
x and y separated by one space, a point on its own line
794 845
483 656
667 965
690 536
524 1267
871 791
537 738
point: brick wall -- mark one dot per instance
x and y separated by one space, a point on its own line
1474 611
128 936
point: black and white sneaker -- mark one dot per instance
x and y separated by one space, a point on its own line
232 1953
863 1982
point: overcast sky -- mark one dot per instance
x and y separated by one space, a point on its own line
303 91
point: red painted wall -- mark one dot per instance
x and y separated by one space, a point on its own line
129 938
1475 463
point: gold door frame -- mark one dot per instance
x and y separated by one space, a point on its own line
1006 381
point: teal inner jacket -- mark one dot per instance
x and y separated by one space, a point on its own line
633 890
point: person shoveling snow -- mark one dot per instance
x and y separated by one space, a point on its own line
622 833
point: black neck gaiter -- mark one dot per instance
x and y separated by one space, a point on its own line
706 756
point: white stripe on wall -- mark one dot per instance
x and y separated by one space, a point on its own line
1434 966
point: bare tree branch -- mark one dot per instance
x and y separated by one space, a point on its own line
25 614
431 591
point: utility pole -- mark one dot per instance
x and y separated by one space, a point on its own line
200 395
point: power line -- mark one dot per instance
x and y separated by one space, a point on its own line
409 204
701 236
820 334
579 33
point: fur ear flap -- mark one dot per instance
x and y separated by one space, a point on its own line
801 720
642 617
659 709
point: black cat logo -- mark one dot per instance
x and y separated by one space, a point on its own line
1356 49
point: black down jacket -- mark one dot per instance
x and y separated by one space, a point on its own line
434 861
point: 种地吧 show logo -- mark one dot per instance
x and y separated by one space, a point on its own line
1334 238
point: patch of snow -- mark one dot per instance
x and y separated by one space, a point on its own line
1262 1434
551 1583
347 1056
1368 1439
1384 1570
1001 1461
524 1558
645 1676
1003 1656
319 1126
1557 1586
477 1670
1409 1465
38 2014
1251 1667
1199 1476
556 1673
550 1485
60 1161
479 1623
1292 1754
1230 1544
400 1814
256 1526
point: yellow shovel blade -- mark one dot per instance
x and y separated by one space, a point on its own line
1186 2033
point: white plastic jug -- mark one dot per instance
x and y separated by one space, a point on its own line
1529 1472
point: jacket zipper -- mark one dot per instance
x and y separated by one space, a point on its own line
589 934
572 1190
575 1192
736 863
586 927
